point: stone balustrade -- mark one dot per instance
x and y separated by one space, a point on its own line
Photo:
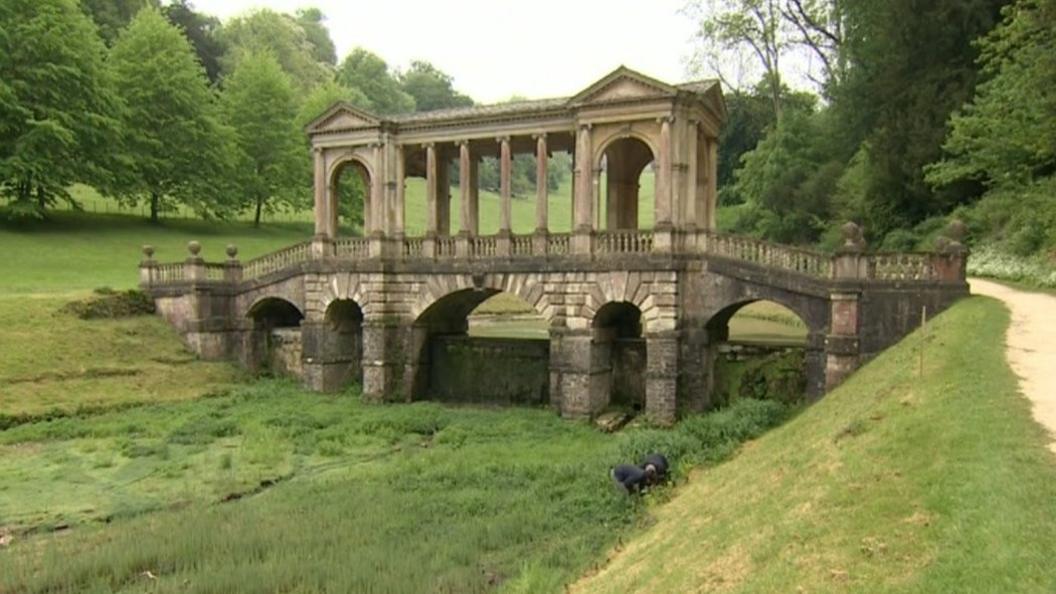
944 265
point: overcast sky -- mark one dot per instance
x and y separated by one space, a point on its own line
498 48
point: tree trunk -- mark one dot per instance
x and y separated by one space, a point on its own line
42 201
256 218
155 204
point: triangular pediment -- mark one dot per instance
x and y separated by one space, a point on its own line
342 116
623 84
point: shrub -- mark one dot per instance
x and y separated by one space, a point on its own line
107 303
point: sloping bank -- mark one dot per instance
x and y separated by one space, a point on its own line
892 483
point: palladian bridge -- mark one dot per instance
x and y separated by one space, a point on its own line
373 308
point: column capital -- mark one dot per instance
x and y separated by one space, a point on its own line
503 138
429 145
462 142
318 150
585 126
539 136
665 119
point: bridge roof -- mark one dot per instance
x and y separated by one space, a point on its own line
620 86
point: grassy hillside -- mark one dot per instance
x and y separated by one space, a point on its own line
892 483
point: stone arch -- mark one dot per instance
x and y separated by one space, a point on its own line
633 288
340 286
721 318
605 142
439 287
367 174
625 155
271 311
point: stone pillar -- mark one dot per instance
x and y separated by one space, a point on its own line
712 197
377 195
696 368
661 376
331 356
384 358
663 176
322 214
232 267
842 344
398 205
952 258
578 382
465 182
147 267
505 186
194 265
542 187
443 193
583 229
815 364
693 201
432 215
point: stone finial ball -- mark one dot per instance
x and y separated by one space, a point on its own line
194 247
957 230
148 251
942 244
850 231
232 251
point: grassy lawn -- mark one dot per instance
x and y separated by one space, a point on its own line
892 483
261 486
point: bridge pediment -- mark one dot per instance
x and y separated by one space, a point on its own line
342 116
623 84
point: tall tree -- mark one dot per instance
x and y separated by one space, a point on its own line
58 109
114 15
315 31
431 87
910 64
737 26
203 31
178 152
370 74
281 34
260 105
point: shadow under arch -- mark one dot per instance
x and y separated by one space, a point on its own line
274 337
760 349
451 364
621 355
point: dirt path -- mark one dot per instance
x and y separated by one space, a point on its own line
1031 346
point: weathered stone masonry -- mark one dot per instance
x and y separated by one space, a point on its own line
374 308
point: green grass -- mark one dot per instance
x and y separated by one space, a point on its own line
51 362
891 483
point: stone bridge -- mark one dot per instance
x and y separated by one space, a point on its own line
368 308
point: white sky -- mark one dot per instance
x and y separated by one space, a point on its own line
498 48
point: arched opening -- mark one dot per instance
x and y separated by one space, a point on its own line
627 197
482 346
621 351
276 336
350 195
759 349
344 331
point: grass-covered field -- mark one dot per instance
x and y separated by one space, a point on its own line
214 486
891 483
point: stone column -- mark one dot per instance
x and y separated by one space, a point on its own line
384 358
574 390
661 376
147 267
841 344
582 231
432 215
693 201
331 356
663 176
465 181
377 193
696 368
542 188
443 193
319 186
505 186
398 206
712 199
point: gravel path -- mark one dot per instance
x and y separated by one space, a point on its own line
1031 346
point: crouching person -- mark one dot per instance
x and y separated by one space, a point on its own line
629 478
655 467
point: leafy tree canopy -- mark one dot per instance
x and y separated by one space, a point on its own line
281 34
370 74
58 109
112 16
431 88
178 152
203 31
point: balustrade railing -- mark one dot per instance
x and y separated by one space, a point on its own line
215 272
275 261
412 247
483 246
167 273
764 253
559 244
445 247
521 245
904 266
352 247
624 242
